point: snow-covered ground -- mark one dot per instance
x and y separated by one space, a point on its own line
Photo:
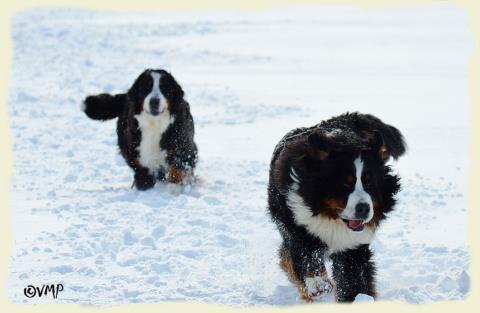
249 77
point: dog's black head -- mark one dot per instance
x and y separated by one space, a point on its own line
339 176
155 91
343 177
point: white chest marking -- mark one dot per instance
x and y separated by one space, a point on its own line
152 128
334 233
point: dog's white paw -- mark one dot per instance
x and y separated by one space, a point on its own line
318 287
363 298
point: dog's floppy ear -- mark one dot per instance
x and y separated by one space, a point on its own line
133 92
382 136
170 88
318 145
388 141
380 147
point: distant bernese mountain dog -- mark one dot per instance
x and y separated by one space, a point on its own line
329 188
155 128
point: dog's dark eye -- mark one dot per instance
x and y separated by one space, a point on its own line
367 181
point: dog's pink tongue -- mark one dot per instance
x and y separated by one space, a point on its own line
354 223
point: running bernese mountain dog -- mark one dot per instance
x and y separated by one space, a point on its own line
155 128
329 189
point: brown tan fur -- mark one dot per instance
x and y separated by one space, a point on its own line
333 207
176 175
286 264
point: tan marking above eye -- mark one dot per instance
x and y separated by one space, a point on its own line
350 179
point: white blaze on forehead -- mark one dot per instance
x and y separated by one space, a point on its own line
155 93
359 195
156 83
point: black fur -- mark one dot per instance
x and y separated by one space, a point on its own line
353 272
322 157
177 140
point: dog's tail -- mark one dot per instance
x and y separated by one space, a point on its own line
104 106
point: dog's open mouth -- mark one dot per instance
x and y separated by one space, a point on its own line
355 225
156 112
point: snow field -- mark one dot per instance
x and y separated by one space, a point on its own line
249 77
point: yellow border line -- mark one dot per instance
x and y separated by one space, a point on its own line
7 10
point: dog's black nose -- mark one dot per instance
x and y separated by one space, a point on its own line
361 210
154 105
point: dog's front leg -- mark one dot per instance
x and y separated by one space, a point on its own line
306 270
143 180
354 273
